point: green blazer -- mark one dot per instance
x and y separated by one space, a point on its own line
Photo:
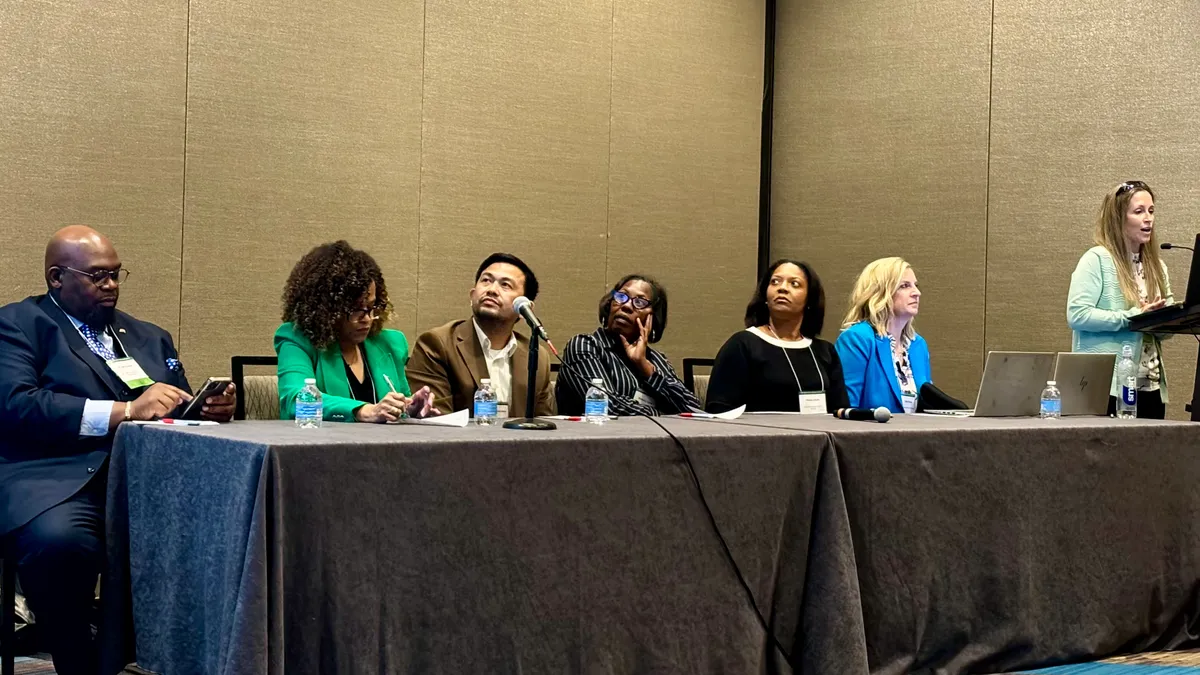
1098 313
299 359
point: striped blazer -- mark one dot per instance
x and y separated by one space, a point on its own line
600 355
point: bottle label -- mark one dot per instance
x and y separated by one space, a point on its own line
1129 395
1051 406
308 409
485 409
595 408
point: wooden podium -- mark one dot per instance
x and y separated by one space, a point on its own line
1181 319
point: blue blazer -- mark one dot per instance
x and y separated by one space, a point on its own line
870 374
47 373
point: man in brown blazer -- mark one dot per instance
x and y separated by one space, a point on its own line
453 358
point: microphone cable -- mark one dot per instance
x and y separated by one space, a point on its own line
712 518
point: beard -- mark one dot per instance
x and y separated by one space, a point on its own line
100 316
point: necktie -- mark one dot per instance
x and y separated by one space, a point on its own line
93 342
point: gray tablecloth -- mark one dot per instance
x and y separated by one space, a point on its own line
261 548
992 545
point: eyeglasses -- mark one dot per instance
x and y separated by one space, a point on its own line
118 276
638 303
363 312
1130 185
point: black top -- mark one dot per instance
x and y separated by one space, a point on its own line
751 371
601 355
365 390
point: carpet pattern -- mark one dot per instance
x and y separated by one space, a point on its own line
1154 663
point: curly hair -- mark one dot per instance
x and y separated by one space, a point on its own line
324 288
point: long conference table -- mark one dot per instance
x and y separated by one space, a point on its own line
925 545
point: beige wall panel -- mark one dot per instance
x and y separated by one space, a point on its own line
91 98
880 148
516 125
1085 97
683 200
303 127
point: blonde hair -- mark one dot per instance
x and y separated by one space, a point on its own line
871 299
1110 233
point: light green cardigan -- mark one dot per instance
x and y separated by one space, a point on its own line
299 359
1099 314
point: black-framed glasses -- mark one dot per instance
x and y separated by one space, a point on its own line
363 312
638 303
1130 185
117 276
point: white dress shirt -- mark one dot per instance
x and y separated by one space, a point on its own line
499 363
95 413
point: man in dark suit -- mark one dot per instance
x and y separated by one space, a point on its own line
72 368
452 359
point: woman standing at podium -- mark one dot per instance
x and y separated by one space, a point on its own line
1119 278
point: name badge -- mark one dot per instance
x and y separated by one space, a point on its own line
502 411
130 372
643 398
910 404
813 403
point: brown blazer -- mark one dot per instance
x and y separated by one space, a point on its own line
449 360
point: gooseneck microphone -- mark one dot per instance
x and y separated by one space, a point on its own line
880 414
1168 247
524 307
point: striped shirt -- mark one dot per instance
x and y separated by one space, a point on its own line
600 355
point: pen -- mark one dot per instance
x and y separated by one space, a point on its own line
389 382
182 423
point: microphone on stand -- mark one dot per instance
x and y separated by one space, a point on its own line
880 414
1168 247
524 307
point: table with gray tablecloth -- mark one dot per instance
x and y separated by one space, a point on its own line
258 547
927 545
992 545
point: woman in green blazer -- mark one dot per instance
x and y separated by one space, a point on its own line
334 306
1119 278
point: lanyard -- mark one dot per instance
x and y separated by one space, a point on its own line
793 368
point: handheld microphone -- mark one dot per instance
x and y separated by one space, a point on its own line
880 414
524 307
1168 247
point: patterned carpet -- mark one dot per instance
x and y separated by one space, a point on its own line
1156 663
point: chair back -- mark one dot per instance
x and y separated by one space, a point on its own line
264 396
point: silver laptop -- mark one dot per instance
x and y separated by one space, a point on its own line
1084 380
1012 385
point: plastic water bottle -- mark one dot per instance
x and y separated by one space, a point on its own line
595 404
1127 370
309 410
485 404
1051 402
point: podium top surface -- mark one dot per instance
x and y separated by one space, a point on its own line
1175 319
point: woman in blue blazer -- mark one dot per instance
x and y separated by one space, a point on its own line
884 361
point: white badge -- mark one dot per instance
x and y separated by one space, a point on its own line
502 411
130 372
642 397
813 403
910 404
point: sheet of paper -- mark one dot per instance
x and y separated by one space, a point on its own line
727 415
179 423
455 419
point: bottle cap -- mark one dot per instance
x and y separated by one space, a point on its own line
1051 383
598 381
485 381
310 380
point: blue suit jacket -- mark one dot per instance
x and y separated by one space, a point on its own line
47 373
870 374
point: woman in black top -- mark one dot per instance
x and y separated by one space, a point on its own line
777 363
